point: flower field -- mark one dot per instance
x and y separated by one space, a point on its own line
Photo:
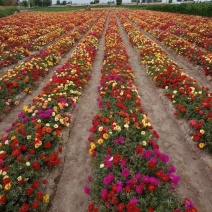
131 169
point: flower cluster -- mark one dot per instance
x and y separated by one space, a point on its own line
130 172
24 77
194 54
190 100
31 144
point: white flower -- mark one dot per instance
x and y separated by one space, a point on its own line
102 166
111 159
144 143
28 163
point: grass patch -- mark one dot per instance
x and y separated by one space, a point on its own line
5 11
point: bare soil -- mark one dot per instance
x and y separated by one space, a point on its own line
66 183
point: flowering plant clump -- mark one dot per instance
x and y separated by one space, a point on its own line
190 100
196 55
24 77
130 172
31 144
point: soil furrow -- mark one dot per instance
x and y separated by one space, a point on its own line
194 168
77 166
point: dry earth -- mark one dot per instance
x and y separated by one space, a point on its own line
67 181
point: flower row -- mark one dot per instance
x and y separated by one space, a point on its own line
25 76
196 55
18 47
130 172
191 102
196 30
30 145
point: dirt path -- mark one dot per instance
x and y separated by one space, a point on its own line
192 165
77 166
193 71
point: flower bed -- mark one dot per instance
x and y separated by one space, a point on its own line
30 146
17 47
191 102
25 76
194 29
130 172
178 45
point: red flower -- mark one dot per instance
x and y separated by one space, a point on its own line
35 184
150 209
91 208
16 153
109 150
35 165
151 187
24 208
121 207
44 181
39 196
29 191
115 200
155 134
139 149
47 145
35 205
3 200
6 181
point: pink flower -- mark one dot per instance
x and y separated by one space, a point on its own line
125 172
87 190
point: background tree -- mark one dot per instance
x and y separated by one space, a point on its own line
118 2
38 3
47 3
58 2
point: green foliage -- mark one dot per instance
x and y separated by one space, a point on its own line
5 11
118 2
202 9
47 3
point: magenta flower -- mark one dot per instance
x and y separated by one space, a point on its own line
146 179
138 189
87 190
138 176
118 189
125 172
104 192
90 179
123 162
147 153
172 169
134 200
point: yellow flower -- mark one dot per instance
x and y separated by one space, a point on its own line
202 131
100 141
92 145
46 198
25 108
202 145
105 136
7 186
13 137
90 151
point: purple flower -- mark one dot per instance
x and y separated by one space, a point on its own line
189 203
104 192
175 179
121 139
125 172
87 190
107 157
153 160
165 158
138 176
119 183
123 162
118 189
90 179
134 200
106 180
108 164
145 179
111 176
147 153
8 130
154 181
138 189
172 169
